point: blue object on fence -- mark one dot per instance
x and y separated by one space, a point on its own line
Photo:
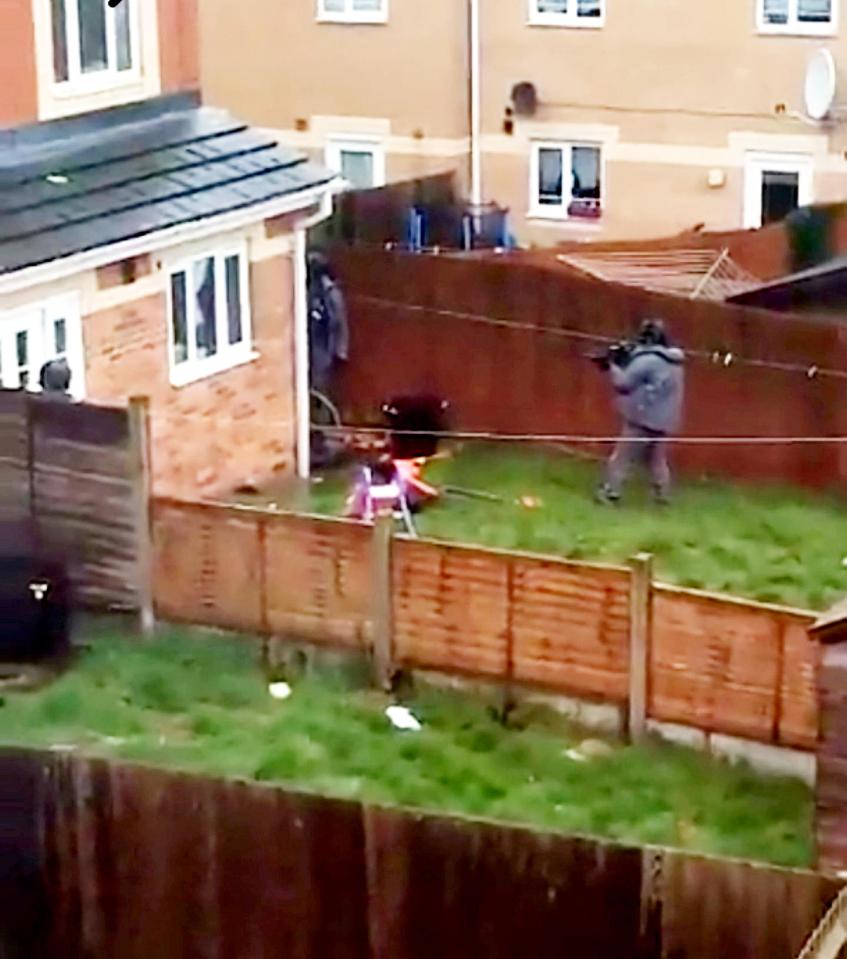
417 229
467 232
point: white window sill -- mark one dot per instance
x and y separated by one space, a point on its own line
579 224
186 373
366 19
583 23
103 82
798 30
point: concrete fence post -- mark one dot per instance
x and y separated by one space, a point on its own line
382 605
139 472
640 628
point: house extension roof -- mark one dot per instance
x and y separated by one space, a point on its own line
823 285
694 273
76 184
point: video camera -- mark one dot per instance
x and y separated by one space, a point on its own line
618 354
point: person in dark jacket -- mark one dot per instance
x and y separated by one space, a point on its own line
328 330
649 390
55 380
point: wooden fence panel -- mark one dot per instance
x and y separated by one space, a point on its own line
83 497
208 565
318 579
570 624
726 667
144 863
455 889
721 908
451 609
798 711
714 666
718 664
67 470
14 458
111 860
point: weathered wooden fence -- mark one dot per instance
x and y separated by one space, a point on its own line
721 665
104 860
75 475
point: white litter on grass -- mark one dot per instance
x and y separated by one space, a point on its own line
576 756
401 718
279 690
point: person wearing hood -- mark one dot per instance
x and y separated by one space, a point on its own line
328 330
55 380
649 387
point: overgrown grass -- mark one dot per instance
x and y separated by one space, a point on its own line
197 701
766 543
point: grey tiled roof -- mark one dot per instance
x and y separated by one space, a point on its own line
73 185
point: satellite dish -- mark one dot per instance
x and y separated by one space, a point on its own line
821 85
525 99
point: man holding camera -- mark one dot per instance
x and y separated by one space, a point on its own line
648 379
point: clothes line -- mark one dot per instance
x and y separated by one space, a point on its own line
723 358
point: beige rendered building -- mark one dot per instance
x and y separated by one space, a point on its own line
638 118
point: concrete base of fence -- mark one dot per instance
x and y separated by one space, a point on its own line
291 658
764 758
605 718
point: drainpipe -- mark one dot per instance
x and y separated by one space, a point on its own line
302 403
476 104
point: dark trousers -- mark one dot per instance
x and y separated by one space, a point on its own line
638 444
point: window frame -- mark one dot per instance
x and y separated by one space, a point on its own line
756 163
351 15
66 307
794 27
537 18
79 83
538 211
228 356
338 144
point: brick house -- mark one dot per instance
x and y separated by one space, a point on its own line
157 244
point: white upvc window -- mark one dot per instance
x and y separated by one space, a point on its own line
567 13
209 327
803 17
95 45
353 11
33 335
360 162
566 181
775 184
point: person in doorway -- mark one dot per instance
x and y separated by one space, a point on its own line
55 380
328 330
648 381
328 342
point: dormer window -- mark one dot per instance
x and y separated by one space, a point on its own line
94 42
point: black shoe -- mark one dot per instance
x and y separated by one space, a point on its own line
606 497
661 498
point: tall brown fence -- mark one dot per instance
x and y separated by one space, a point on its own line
505 341
722 665
104 860
72 471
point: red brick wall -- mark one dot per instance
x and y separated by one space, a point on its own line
18 92
178 45
215 433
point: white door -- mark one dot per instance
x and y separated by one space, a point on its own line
30 337
775 185
21 351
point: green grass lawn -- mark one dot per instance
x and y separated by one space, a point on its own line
772 544
199 701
